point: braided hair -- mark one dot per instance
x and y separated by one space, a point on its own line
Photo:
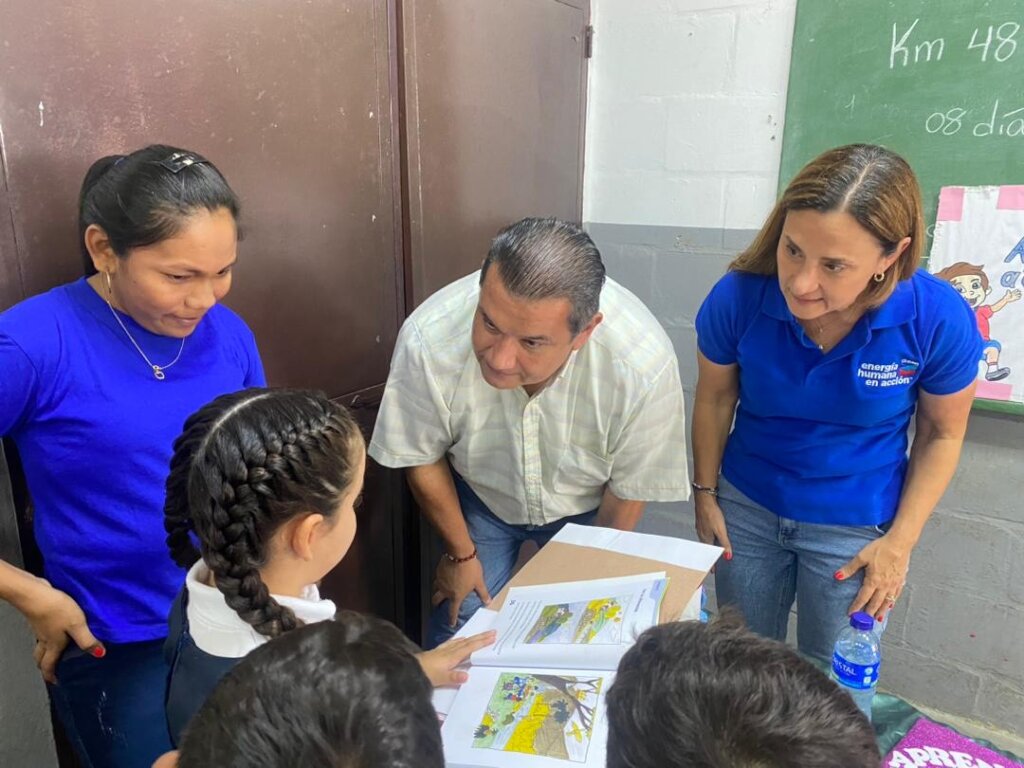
244 465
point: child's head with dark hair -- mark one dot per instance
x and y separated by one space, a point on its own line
267 481
718 696
337 694
144 197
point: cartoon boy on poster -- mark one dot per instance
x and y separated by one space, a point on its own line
973 284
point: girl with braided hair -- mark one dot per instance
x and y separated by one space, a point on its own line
266 481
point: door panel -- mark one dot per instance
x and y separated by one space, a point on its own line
369 577
10 270
494 95
294 104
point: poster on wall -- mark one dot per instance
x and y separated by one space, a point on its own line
979 249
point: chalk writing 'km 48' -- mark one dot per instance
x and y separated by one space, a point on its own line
993 43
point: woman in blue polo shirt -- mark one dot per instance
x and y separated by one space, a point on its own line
96 379
821 341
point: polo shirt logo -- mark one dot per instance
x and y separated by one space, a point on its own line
888 374
908 368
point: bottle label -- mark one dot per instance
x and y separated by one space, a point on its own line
859 676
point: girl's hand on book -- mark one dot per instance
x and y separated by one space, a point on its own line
440 665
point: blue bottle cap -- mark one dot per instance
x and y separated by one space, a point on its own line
862 621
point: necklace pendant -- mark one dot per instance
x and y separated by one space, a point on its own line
158 373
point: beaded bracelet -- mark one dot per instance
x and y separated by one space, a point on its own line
458 560
708 489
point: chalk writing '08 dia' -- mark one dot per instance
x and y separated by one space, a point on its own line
1009 123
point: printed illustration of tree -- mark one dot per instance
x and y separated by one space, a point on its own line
561 710
577 690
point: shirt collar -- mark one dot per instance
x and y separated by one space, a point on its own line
898 309
218 630
564 370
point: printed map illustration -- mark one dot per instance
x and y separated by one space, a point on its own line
584 623
546 715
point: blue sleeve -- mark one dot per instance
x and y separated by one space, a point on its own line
236 335
717 321
254 375
952 361
19 385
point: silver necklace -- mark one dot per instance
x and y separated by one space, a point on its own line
820 341
821 345
158 370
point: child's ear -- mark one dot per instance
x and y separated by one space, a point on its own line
304 533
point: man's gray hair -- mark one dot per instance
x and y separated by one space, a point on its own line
549 259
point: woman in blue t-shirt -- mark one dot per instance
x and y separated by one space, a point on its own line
820 342
96 379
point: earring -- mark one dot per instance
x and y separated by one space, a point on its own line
878 277
110 288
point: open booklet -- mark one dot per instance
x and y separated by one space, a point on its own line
535 698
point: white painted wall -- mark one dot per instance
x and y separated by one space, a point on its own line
686 107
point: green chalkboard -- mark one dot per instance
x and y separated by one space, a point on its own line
939 81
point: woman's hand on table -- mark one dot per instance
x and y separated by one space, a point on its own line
440 664
886 562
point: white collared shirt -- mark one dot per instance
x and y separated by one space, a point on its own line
218 630
613 416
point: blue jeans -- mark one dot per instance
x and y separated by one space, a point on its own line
776 559
112 709
497 547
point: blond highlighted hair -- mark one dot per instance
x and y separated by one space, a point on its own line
870 183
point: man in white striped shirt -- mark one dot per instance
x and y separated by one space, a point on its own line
526 395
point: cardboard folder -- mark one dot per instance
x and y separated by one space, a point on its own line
558 562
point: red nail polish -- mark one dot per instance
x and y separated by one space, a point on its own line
880 617
99 652
839 576
728 555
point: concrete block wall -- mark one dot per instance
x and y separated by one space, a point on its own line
687 99
26 738
685 111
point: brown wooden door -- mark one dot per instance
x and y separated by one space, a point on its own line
295 102
11 289
494 97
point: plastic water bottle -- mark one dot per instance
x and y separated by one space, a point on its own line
856 659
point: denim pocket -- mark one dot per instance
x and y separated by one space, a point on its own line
72 654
